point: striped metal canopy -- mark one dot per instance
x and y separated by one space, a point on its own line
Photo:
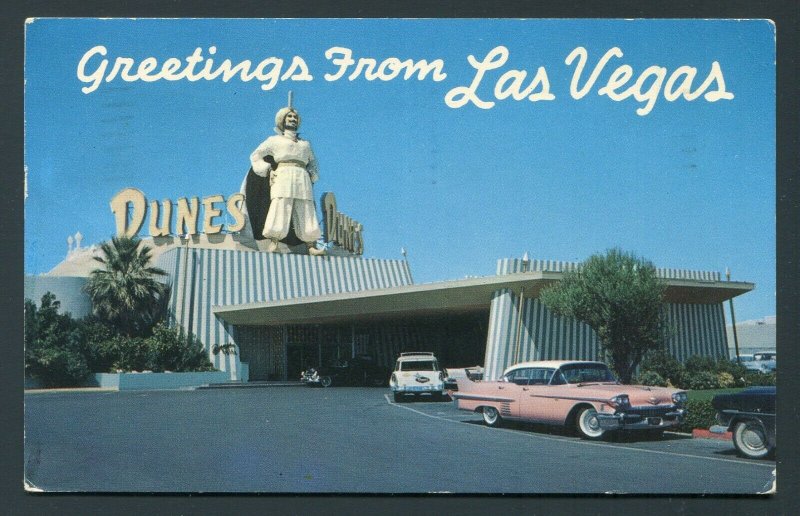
440 298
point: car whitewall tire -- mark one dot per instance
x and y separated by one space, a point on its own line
750 440
588 425
491 417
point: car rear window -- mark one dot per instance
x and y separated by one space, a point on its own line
419 365
579 373
530 376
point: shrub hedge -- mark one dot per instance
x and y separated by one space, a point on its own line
61 351
701 381
700 414
699 372
661 362
651 378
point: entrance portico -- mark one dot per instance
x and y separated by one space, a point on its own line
466 322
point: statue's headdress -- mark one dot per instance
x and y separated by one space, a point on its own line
281 114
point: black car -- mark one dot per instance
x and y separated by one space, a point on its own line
750 416
359 370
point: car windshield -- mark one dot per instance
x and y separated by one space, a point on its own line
583 373
419 365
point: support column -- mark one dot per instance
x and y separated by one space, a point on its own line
502 331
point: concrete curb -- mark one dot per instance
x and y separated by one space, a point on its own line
250 385
70 389
232 385
699 433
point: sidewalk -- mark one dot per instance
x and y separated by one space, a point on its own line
69 389
226 385
252 385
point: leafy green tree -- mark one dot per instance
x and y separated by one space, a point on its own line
61 352
170 349
95 345
125 291
158 311
620 297
53 345
31 328
130 353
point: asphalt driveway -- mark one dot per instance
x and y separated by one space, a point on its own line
355 440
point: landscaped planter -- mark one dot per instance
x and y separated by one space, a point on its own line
154 381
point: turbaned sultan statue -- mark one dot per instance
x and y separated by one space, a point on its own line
278 192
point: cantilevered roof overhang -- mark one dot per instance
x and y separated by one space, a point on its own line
430 299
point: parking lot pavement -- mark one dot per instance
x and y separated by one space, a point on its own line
343 440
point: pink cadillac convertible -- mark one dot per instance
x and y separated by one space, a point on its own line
583 395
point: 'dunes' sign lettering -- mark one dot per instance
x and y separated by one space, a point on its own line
340 228
130 209
188 212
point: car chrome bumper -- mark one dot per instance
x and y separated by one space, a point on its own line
622 421
412 389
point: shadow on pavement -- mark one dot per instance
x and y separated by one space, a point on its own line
562 431
423 399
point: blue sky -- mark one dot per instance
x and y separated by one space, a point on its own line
690 185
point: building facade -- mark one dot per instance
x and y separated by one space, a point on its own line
203 279
286 312
753 336
531 332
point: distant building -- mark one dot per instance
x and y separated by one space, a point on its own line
754 336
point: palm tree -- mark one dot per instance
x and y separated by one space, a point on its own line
124 291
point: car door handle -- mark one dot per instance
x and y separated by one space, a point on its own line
524 388
500 387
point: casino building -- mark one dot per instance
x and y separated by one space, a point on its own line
283 305
285 311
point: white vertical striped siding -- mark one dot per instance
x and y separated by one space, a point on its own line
696 330
501 337
514 265
693 329
212 277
